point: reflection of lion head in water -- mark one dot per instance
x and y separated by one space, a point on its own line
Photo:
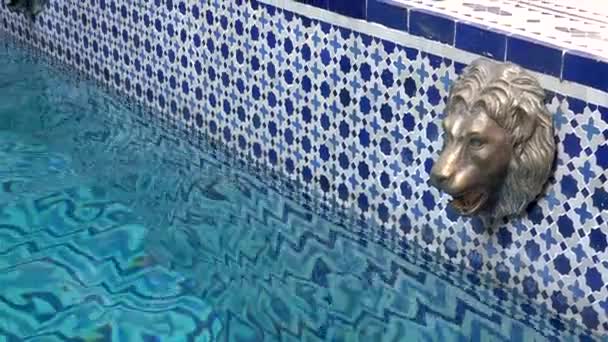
499 147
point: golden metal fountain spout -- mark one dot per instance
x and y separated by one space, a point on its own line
498 145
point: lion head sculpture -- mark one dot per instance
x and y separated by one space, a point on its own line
498 147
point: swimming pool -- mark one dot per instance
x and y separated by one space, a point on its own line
118 225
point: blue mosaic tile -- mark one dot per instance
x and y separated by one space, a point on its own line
324 4
351 118
534 56
586 70
389 15
351 8
482 42
431 26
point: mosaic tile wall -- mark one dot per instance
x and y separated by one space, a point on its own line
351 117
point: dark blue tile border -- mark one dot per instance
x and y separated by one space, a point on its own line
481 41
431 26
391 16
351 8
585 69
534 56
324 4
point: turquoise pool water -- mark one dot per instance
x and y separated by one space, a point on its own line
114 227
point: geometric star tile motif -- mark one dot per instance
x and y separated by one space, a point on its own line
351 118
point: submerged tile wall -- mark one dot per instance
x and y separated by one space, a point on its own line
352 117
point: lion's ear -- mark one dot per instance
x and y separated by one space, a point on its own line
523 126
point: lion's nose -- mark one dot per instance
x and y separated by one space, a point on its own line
438 180
440 177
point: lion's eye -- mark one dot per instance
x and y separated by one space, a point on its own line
476 143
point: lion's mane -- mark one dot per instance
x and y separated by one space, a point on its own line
515 100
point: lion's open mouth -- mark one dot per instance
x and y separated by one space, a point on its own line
470 202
